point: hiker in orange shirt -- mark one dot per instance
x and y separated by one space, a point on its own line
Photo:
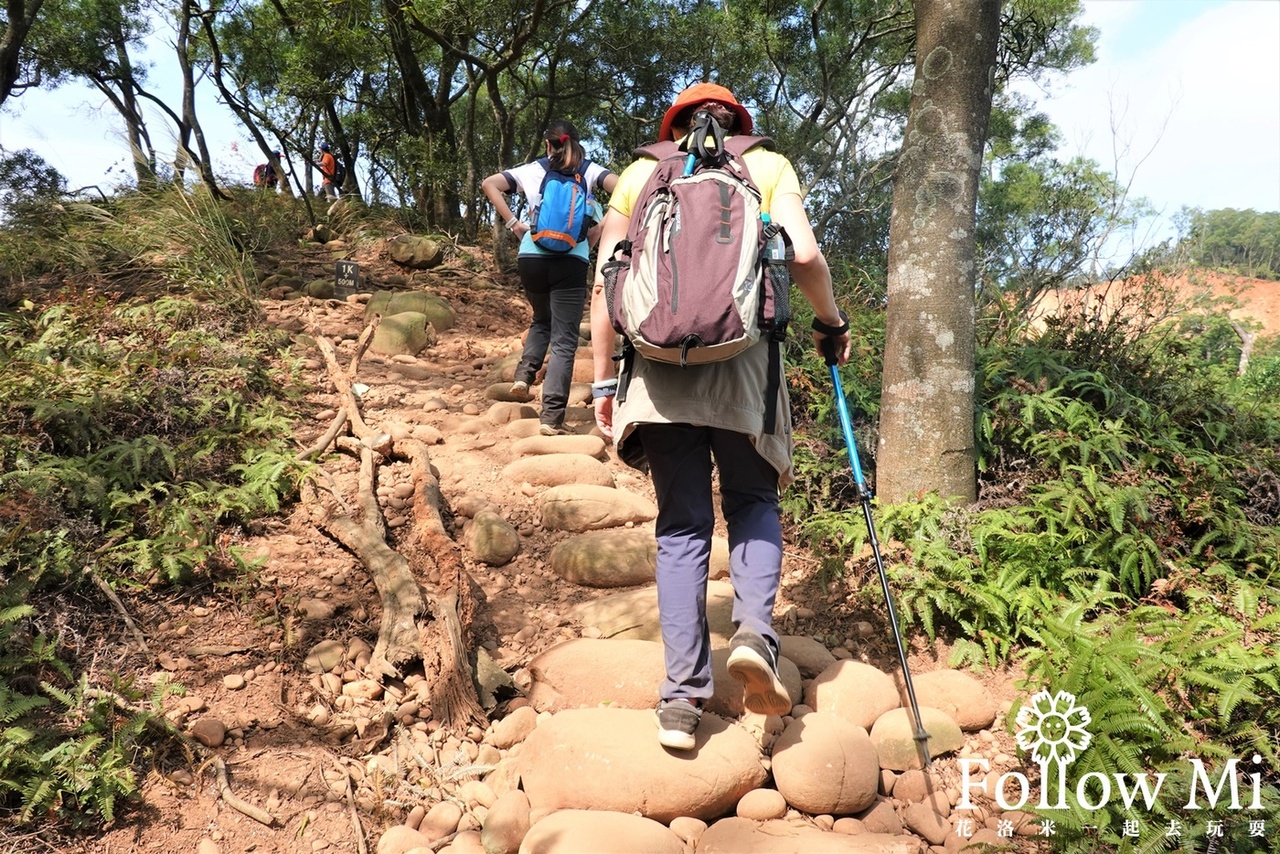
328 168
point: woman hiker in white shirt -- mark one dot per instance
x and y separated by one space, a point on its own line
555 283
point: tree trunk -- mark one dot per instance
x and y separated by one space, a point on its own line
1246 347
926 417
21 15
190 124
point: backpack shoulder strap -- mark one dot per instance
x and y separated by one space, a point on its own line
659 150
740 145
736 146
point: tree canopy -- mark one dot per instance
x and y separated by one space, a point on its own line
428 98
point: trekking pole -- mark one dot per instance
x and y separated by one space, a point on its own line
828 348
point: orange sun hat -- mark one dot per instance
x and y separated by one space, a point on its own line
697 94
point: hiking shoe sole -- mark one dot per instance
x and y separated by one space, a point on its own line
765 693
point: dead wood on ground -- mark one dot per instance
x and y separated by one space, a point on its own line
420 622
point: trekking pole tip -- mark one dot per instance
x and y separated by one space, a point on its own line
922 744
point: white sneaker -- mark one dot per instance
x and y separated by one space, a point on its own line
520 391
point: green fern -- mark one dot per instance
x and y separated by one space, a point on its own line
1160 688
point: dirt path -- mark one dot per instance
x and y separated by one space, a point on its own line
239 648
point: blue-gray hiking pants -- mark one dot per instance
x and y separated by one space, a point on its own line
680 458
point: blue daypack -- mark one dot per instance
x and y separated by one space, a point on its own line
564 214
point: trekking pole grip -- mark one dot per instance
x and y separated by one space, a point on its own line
827 345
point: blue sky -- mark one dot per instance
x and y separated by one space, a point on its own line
1183 102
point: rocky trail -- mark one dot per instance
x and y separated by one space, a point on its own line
310 726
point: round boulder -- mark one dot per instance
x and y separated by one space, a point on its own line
822 764
855 691
506 824
613 557
744 836
492 539
559 469
634 613
583 507
809 656
407 333
585 672
964 698
610 759
578 831
387 303
592 446
894 737
419 253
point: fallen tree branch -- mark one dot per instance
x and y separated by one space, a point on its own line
102 585
361 846
403 600
343 379
326 439
406 633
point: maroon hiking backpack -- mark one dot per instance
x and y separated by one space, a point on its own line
702 274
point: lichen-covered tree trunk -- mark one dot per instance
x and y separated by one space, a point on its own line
926 413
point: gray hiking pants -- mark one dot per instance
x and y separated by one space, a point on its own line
680 457
556 287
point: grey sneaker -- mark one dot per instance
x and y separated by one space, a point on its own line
552 430
677 723
520 391
753 662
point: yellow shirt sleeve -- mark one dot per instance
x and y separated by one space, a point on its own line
772 173
632 180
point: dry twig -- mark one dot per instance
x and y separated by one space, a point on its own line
162 727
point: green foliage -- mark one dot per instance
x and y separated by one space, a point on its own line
1041 223
1124 550
1118 460
63 756
1242 242
824 477
195 243
1162 687
27 184
130 432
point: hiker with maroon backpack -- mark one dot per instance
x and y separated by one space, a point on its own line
691 386
553 259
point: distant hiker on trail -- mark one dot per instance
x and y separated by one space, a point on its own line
331 183
552 258
675 419
265 175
